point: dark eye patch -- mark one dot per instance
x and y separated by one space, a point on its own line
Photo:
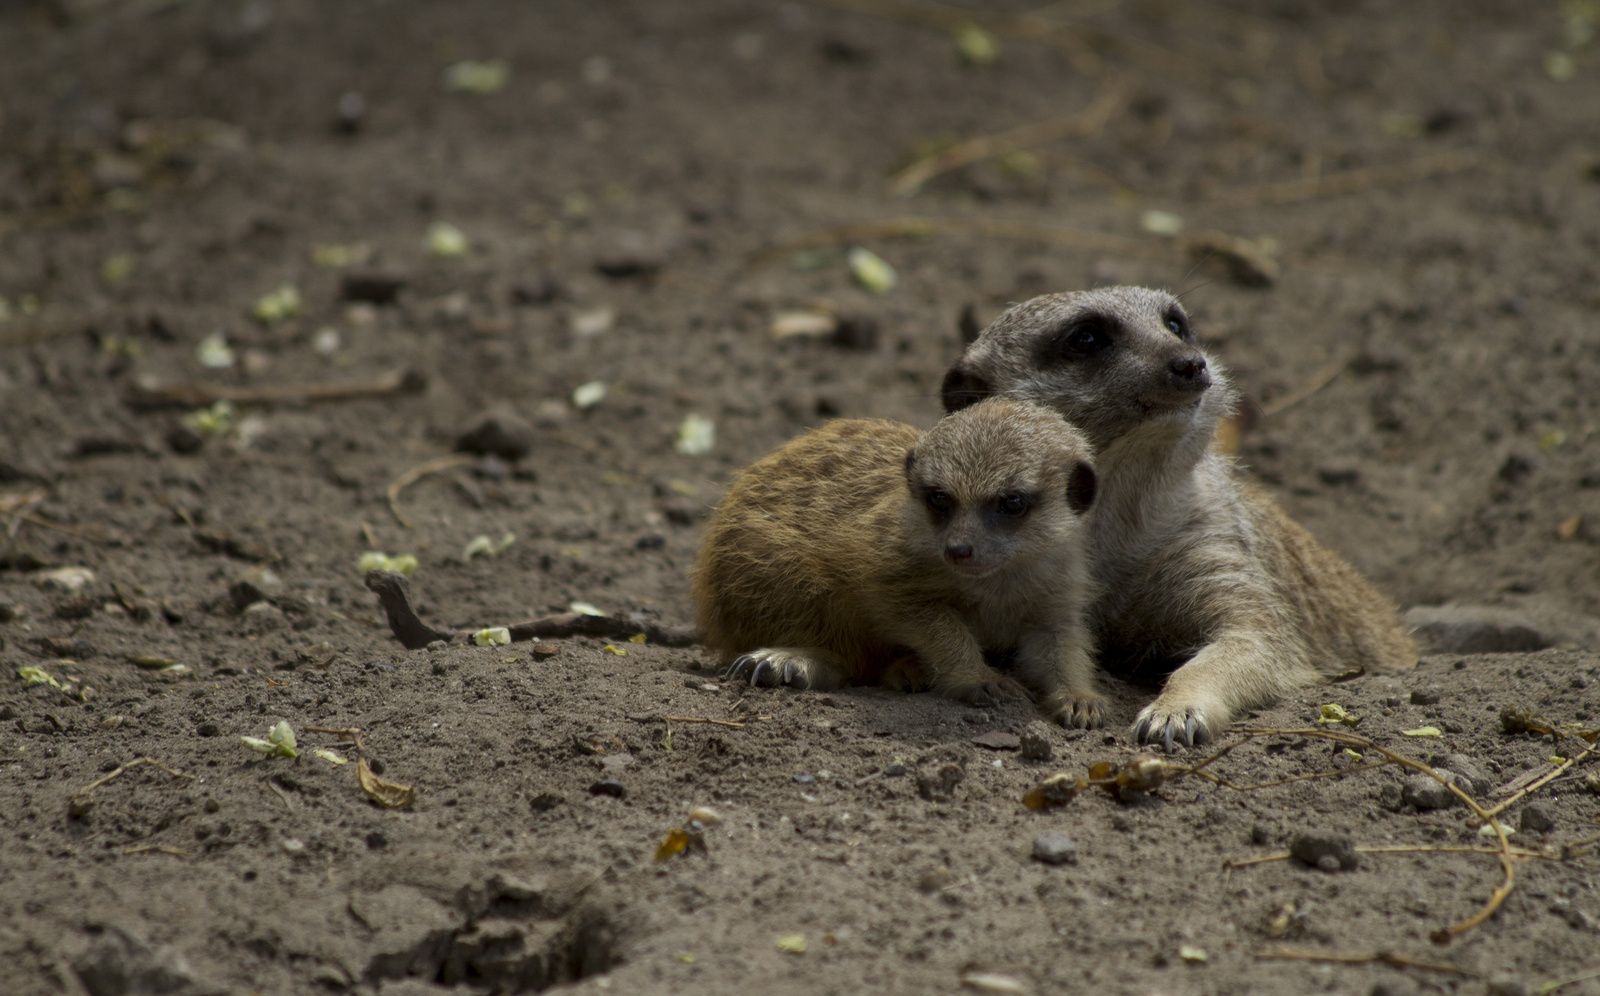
1079 339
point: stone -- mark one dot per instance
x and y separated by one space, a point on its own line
371 287
1475 778
1475 629
118 964
1054 849
1425 696
500 432
1326 850
1035 740
1424 792
998 740
1537 818
609 786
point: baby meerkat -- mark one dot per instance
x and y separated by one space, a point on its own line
1195 566
860 553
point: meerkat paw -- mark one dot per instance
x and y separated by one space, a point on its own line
1084 712
1169 725
797 667
904 676
985 693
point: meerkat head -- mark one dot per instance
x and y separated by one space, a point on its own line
997 482
1110 360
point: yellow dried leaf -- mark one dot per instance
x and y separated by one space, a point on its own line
792 943
1422 731
636 638
1188 952
390 794
331 756
676 842
1057 790
613 648
871 270
37 676
1333 713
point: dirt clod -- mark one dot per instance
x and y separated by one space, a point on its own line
1425 792
1054 849
1327 850
938 785
1035 742
1536 817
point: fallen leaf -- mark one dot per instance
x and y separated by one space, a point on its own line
473 76
446 241
871 270
332 756
274 306
696 435
37 676
977 46
1334 713
1422 731
492 635
586 396
802 324
792 943
1190 953
390 794
676 842
613 648
585 609
1569 527
637 638
280 741
1057 790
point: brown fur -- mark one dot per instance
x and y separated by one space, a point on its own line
828 562
1195 565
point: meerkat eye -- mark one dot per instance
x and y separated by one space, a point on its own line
939 501
1178 324
1012 505
1085 339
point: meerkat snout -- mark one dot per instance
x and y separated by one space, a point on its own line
1189 373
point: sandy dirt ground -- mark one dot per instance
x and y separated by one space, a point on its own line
1384 217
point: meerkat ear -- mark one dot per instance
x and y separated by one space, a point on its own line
962 389
911 461
1081 487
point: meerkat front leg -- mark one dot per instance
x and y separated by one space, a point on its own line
1238 669
1059 665
952 660
798 667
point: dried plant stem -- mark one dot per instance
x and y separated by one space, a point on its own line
697 719
1348 182
416 474
135 763
1549 777
1442 935
1089 121
1361 957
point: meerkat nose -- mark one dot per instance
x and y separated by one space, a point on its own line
958 552
1189 373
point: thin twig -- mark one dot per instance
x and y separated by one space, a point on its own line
695 719
135 763
1550 987
279 793
200 395
156 847
1361 957
1444 934
1322 378
416 474
1113 94
1541 782
1348 182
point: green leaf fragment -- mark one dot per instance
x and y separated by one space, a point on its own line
977 46
696 435
276 305
1422 731
280 741
331 756
586 396
792 943
871 270
1188 952
473 76
482 546
377 560
214 353
492 636
1333 713
37 676
446 241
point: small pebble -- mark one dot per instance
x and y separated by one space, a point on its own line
894 771
1425 696
1426 793
1503 984
1536 817
294 846
609 786
804 779
1036 742
376 841
1054 849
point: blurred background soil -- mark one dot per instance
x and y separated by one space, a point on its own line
605 226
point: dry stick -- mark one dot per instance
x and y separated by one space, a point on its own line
1360 957
136 763
156 847
1541 782
280 794
200 395
1348 182
1507 866
416 474
1520 852
1089 121
1550 987
1322 378
694 719
1081 41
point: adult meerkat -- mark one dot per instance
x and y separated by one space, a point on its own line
1194 564
862 553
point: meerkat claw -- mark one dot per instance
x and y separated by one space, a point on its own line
740 667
